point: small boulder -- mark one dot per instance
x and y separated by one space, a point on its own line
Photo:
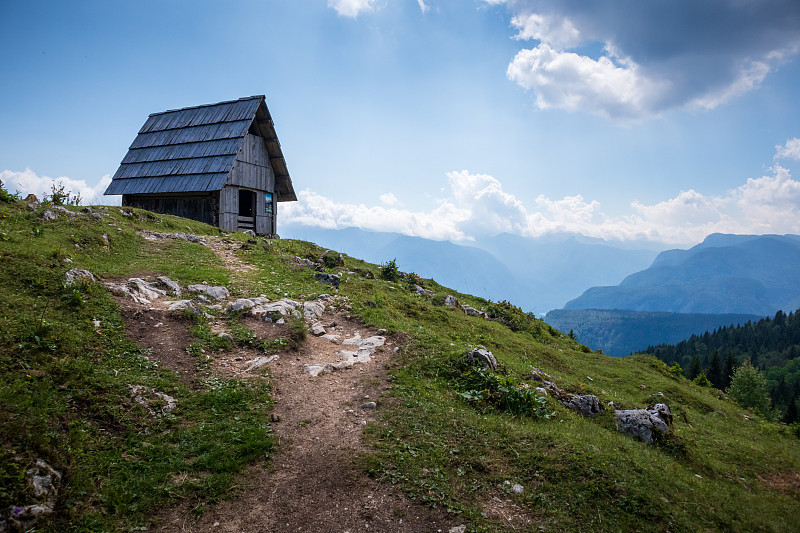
313 310
145 290
77 274
645 424
217 293
241 304
483 356
180 305
417 289
450 300
317 329
583 404
471 311
331 259
330 279
169 284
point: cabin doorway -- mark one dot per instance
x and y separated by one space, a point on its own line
247 210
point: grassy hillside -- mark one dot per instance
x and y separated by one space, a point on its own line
64 397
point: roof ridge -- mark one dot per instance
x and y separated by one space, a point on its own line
254 97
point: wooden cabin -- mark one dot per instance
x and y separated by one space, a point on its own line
220 163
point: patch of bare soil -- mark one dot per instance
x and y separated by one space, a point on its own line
164 334
788 483
311 483
515 517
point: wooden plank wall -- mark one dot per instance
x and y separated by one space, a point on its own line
229 208
200 207
251 170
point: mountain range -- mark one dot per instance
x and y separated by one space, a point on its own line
743 274
534 274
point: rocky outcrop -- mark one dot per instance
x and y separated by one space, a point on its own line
483 356
330 279
583 404
215 292
417 289
155 235
362 354
138 290
170 285
646 425
77 274
331 259
275 311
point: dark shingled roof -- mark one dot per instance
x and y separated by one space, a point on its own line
193 149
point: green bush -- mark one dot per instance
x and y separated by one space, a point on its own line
412 279
389 271
702 380
60 196
6 196
749 388
486 389
515 318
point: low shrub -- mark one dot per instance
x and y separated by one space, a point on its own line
486 389
389 271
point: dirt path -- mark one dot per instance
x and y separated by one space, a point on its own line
311 483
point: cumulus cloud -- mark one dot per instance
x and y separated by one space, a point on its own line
573 82
312 209
557 31
388 199
28 182
477 205
790 150
423 6
656 56
351 8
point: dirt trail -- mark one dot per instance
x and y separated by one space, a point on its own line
311 483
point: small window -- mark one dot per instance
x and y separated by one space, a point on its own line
270 209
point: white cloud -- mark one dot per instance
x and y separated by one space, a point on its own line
557 32
569 81
388 199
423 6
790 150
476 205
351 8
655 56
28 182
312 209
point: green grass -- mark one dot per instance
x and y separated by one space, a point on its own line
64 397
64 382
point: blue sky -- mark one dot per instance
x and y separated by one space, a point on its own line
447 119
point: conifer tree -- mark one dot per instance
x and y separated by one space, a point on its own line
694 367
730 366
790 415
714 372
